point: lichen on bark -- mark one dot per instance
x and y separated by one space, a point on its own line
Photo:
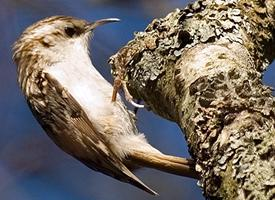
202 68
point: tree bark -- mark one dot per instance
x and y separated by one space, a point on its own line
201 67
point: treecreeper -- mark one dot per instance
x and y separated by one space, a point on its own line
72 102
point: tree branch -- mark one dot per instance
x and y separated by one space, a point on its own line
202 67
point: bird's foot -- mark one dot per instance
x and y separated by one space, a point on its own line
118 83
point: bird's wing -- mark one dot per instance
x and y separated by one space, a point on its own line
69 114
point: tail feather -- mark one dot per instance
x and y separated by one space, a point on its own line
166 163
132 179
120 172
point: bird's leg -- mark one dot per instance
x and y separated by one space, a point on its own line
116 87
118 82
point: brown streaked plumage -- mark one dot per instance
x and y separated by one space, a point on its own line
72 102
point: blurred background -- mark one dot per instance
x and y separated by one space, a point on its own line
31 166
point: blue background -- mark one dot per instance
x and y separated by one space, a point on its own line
31 166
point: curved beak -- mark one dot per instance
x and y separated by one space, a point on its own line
91 26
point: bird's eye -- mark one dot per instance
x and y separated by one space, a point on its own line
70 31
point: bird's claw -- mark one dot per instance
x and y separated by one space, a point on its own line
129 97
117 85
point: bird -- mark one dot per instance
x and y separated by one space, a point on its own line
71 100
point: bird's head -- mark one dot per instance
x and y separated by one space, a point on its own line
53 37
53 40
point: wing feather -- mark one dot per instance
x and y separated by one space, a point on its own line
69 126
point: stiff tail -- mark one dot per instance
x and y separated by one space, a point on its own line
132 179
120 172
166 163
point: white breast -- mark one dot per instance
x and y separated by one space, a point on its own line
80 78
